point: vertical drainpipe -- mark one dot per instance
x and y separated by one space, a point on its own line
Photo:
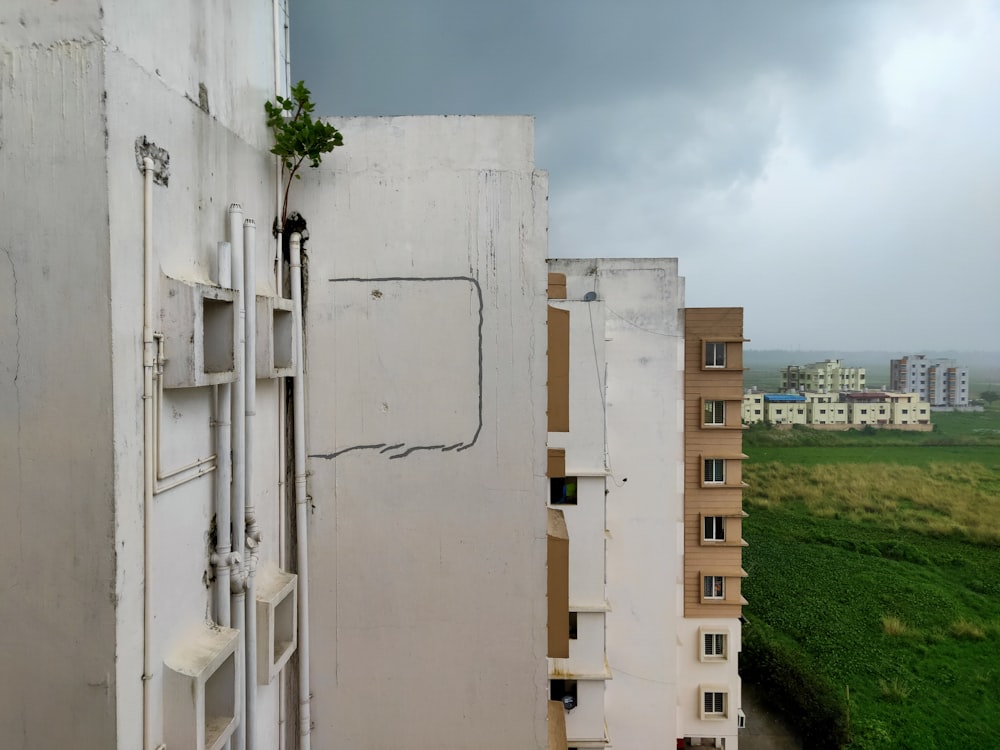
222 559
301 498
252 530
279 40
238 603
148 362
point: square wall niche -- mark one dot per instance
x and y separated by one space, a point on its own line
275 337
200 689
277 621
198 322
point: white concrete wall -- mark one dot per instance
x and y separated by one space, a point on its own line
587 720
694 672
57 463
80 83
643 347
426 399
584 443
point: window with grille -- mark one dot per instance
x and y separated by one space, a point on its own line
713 646
714 704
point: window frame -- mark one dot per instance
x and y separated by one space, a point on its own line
713 347
719 696
718 414
718 470
564 497
718 523
712 583
719 650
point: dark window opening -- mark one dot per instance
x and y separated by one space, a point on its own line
563 691
563 491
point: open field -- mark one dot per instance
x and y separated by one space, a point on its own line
876 569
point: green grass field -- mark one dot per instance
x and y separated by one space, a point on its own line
875 569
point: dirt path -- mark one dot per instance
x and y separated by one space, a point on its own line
764 730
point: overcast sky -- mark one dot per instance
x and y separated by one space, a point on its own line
831 166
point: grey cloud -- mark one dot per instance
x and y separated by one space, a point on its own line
732 134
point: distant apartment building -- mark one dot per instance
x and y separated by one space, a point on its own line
855 408
784 408
829 376
645 447
940 382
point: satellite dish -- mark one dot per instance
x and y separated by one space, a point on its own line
590 296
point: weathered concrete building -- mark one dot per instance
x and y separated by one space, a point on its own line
646 469
146 463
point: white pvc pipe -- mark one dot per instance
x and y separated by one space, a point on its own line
148 357
239 623
224 474
280 38
301 498
239 469
252 530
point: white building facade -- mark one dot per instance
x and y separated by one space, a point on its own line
427 399
829 376
638 674
940 382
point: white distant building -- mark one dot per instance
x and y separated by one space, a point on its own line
829 376
940 382
836 409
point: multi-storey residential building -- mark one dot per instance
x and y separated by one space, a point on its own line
825 408
836 409
784 408
653 656
829 376
940 382
709 688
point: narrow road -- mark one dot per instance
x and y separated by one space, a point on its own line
764 730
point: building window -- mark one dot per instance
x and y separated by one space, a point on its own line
715 587
715 529
562 491
713 704
715 354
713 646
563 691
715 412
715 471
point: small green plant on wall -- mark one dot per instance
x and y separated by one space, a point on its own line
297 137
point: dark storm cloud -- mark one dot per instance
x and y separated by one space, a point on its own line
800 138
527 56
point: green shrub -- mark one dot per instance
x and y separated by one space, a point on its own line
793 687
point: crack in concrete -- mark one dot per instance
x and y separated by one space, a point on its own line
17 396
17 325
